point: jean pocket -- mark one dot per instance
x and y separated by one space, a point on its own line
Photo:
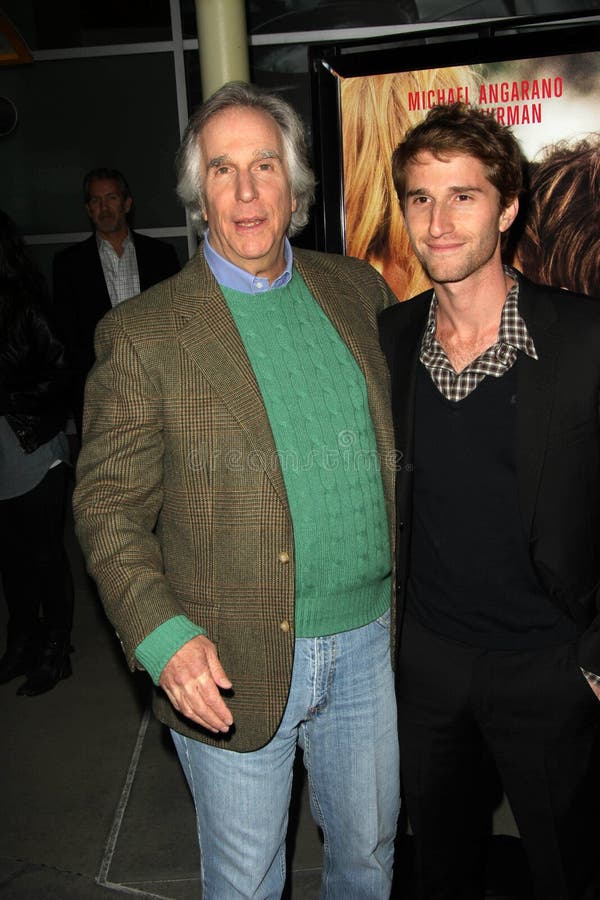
384 620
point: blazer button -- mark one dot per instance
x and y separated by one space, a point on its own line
283 557
285 626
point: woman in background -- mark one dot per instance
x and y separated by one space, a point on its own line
34 387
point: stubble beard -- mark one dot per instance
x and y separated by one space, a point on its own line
451 271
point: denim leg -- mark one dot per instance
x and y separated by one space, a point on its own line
241 802
351 755
341 708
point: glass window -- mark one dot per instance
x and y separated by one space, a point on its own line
78 114
59 24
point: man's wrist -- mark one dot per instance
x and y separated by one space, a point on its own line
160 645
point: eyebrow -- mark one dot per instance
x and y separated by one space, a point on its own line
100 196
225 157
453 189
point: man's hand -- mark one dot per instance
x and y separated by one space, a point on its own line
191 680
595 687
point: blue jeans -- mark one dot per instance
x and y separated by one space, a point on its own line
342 712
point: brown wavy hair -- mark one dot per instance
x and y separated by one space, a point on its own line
466 130
560 244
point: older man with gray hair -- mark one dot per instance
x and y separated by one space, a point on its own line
235 504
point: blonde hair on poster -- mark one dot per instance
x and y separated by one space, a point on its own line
376 114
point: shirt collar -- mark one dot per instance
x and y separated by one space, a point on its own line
105 244
512 331
237 279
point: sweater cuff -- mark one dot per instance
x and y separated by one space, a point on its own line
160 645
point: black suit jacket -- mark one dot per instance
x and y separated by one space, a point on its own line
558 444
81 297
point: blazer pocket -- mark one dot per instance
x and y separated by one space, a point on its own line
206 616
575 434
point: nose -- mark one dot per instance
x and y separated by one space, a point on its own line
246 187
440 221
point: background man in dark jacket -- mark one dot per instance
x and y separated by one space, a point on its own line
110 266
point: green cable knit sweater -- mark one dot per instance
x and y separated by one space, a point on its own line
316 399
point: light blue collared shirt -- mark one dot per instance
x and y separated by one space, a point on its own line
237 279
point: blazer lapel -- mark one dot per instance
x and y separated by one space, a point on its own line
208 333
331 293
405 361
407 337
535 395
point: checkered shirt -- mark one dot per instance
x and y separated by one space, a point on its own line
495 361
120 272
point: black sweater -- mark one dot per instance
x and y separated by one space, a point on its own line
471 578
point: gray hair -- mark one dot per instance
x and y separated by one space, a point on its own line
188 162
104 174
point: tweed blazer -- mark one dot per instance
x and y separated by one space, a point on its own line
181 505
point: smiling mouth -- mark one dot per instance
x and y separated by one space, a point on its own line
249 223
436 248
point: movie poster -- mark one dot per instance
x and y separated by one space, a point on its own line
552 104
